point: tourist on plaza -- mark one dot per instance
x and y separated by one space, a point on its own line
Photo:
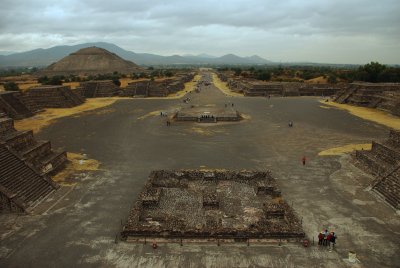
304 160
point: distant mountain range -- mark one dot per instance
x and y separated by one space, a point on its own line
44 57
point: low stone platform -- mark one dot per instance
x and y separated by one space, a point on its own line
206 205
205 114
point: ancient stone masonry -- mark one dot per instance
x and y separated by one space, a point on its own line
11 105
25 167
213 204
138 89
41 97
383 161
251 87
383 96
97 89
207 114
157 88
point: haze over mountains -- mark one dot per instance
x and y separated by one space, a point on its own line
45 57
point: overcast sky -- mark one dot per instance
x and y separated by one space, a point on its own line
336 31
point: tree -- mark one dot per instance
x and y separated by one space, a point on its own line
264 75
116 82
370 72
55 80
43 80
168 73
332 79
238 71
11 86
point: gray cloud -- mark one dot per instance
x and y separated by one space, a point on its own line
352 31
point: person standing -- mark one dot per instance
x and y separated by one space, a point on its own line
320 238
333 239
303 160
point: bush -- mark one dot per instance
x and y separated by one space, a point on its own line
11 86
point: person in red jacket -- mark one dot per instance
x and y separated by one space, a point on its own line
328 239
320 238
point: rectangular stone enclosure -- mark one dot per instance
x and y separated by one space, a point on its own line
208 205
207 114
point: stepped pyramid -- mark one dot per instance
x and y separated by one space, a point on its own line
91 61
25 168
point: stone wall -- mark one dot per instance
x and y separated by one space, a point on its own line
383 96
190 204
383 162
41 97
98 89
11 105
252 87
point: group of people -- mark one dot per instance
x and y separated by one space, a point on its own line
231 104
326 238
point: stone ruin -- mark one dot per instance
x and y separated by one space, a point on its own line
48 96
157 88
98 89
252 87
383 162
383 96
12 105
209 205
25 168
204 114
18 105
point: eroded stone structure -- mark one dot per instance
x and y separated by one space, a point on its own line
252 87
204 114
383 96
25 168
12 106
383 162
196 204
157 88
97 89
47 96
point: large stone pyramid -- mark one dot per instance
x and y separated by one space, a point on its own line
91 61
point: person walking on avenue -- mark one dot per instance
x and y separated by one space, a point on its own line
303 160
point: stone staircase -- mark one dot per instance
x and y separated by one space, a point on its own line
383 161
22 186
11 105
25 167
41 97
344 95
98 89
389 187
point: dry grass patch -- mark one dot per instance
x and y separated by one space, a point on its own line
370 114
77 163
223 87
73 85
154 113
49 116
317 80
345 149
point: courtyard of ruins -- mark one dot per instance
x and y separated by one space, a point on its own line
84 221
